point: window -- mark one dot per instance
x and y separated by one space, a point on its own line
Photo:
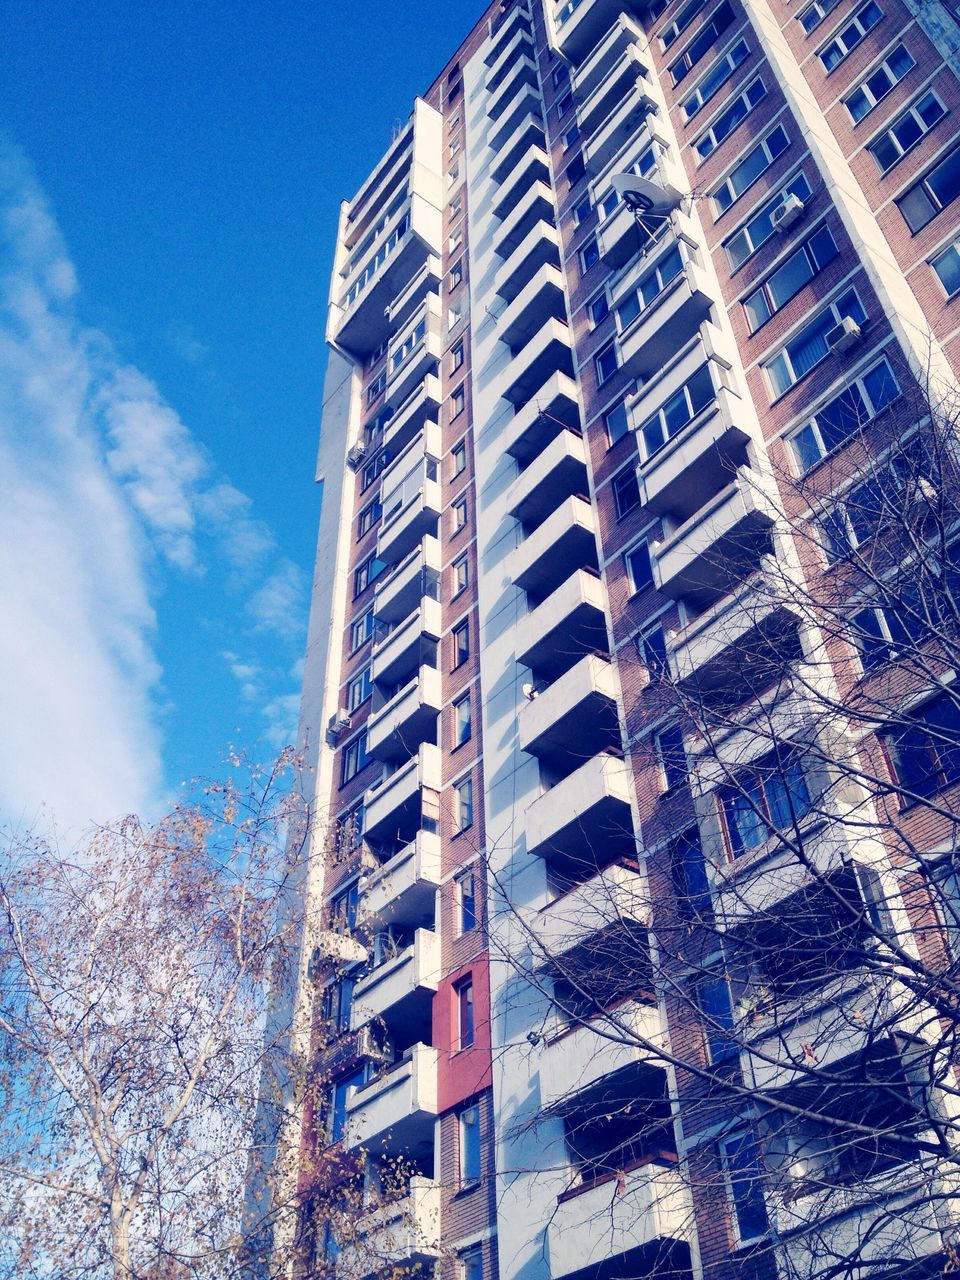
811 17
716 1015
715 79
408 345
639 568
674 414
456 240
373 469
589 255
926 198
466 887
759 228
626 491
354 758
867 507
337 1105
471 1260
348 830
878 83
570 136
377 356
844 415
616 424
469 1144
460 570
806 350
947 267
756 161
576 170
336 1003
459 456
879 633
457 402
925 748
463 805
366 573
368 517
673 30
582 210
377 387
847 39
456 208
768 797
564 104
454 315
730 117
464 992
702 43
456 357
598 309
359 689
459 513
789 278
361 630
671 757
456 274
652 652
907 130
343 910
461 642
744 1177
650 287
606 364
688 873
560 75
462 720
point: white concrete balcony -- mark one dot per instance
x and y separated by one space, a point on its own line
510 39
649 1217
404 377
668 321
580 24
342 949
397 730
584 816
526 101
410 511
624 34
570 623
535 205
518 72
574 717
719 545
399 653
556 407
513 151
409 978
703 455
396 1111
427 443
426 281
708 653
613 899
627 73
541 245
421 407
541 299
394 804
531 168
558 472
403 889
549 351
580 1057
625 122
618 238
565 542
401 1234
413 581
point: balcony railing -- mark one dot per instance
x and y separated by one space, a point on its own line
568 624
573 718
586 818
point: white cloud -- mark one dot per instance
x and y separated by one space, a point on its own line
101 484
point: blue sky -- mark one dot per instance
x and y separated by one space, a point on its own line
170 179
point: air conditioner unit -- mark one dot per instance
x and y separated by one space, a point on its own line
787 213
843 336
356 455
372 1043
338 724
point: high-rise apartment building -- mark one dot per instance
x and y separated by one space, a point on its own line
632 281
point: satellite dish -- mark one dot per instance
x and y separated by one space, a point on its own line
645 198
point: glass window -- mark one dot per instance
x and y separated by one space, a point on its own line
460 570
760 227
457 402
459 456
878 83
377 387
811 17
456 274
462 720
907 130
570 136
466 901
336 1004
589 255
343 910
463 808
756 161
606 363
576 170
671 757
650 287
564 104
673 30
744 1176
367 573
674 414
702 43
716 1015
844 415
652 652
616 424
925 748
806 350
790 277
688 872
626 491
348 830
361 630
730 117
582 210
768 797
469 1133
939 188
639 568
847 39
373 469
354 758
947 267
368 517
715 79
598 309
456 357
471 1260
465 1014
359 689
461 642
459 510
337 1105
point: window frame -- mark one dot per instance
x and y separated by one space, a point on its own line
811 427
641 547
846 305
853 20
460 569
763 145
756 779
361 683
911 112
629 472
863 85
467 918
733 58
366 620
469 1148
463 812
462 728
466 1014
814 264
351 765
710 132
461 648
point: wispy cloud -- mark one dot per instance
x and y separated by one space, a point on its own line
103 490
